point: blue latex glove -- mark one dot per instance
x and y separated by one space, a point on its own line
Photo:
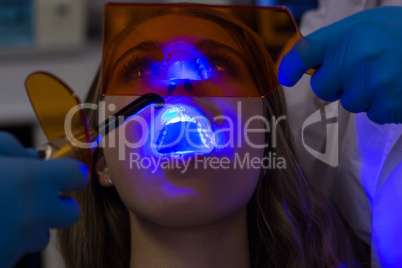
361 59
30 203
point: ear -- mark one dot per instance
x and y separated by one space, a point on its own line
102 170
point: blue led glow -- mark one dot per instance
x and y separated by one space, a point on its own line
182 61
184 130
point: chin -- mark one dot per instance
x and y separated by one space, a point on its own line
187 211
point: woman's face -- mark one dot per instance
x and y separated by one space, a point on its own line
173 186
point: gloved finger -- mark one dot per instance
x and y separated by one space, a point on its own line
381 112
65 214
37 240
396 117
32 152
326 83
355 99
10 146
307 53
291 68
375 114
66 174
385 90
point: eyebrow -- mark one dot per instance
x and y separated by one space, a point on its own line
152 46
212 44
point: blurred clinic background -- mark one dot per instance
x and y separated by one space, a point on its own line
63 37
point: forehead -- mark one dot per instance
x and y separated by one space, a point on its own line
167 27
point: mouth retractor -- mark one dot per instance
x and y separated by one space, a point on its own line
184 130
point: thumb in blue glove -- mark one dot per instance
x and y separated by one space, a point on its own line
30 203
361 63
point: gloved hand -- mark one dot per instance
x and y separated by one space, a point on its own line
30 203
361 59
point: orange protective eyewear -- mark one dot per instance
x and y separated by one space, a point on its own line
151 48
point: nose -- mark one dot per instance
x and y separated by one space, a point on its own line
181 64
183 61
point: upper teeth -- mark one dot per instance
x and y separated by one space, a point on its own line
182 118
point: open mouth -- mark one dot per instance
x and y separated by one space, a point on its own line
184 130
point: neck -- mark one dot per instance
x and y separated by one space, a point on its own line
219 244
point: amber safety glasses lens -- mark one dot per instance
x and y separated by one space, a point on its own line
53 101
62 118
194 50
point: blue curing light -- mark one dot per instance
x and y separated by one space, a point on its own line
182 61
184 130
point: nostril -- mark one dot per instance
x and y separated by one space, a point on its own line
188 86
172 85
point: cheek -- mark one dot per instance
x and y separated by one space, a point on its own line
131 137
135 186
249 150
247 125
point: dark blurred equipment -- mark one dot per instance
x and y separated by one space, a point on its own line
42 25
24 133
297 7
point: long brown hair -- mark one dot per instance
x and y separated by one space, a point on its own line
290 224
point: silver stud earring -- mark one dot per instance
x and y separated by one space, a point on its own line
108 177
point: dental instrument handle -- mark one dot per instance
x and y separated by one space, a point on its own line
133 108
62 147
